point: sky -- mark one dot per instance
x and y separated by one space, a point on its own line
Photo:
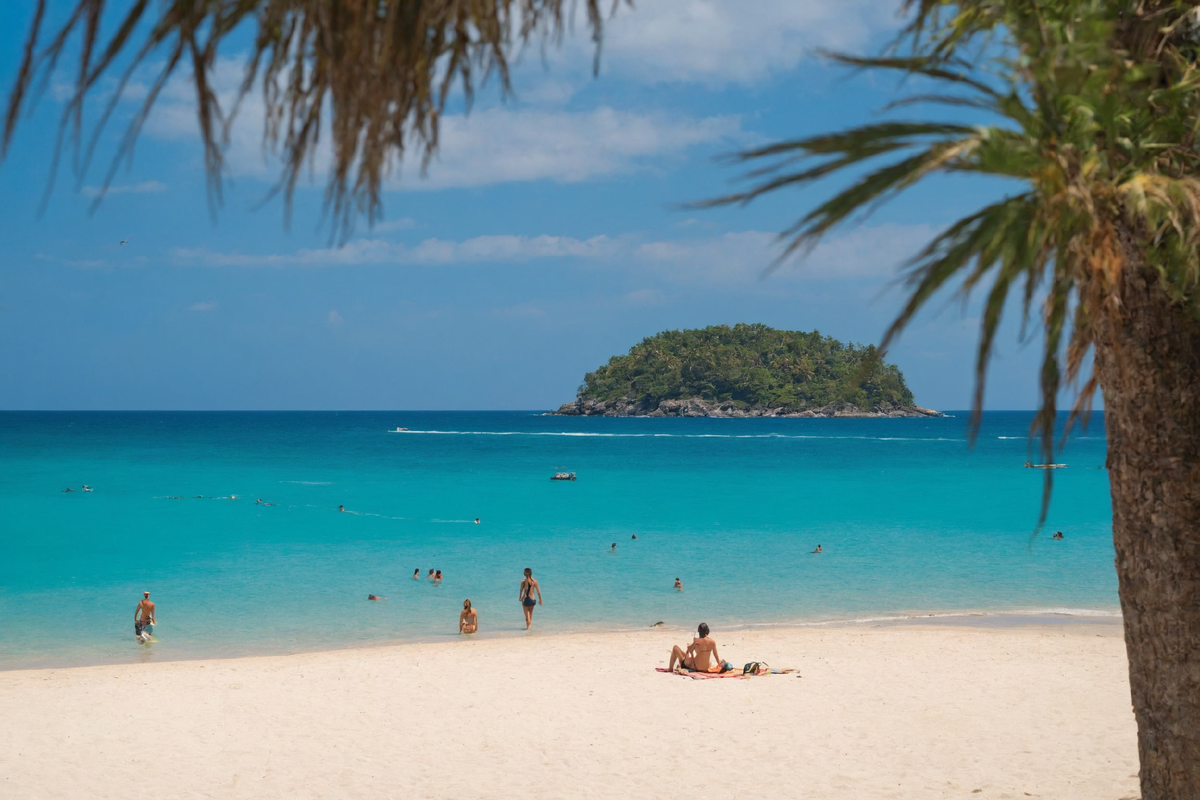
550 233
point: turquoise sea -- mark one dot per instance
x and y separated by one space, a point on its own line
911 520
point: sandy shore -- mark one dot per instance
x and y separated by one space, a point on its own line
885 712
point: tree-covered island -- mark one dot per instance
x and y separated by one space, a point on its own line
745 371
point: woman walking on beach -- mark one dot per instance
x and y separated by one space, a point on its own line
529 587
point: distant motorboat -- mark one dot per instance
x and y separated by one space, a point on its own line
1029 465
563 476
400 430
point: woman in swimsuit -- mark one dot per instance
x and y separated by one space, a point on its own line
468 620
700 655
529 587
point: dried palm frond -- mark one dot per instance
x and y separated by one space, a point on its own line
372 75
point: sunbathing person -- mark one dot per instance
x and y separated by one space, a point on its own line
701 654
468 620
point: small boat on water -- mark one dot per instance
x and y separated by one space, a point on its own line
399 430
1029 465
563 476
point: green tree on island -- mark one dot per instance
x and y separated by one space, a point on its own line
749 367
1091 104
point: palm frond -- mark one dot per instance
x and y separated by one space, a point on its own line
373 76
1093 106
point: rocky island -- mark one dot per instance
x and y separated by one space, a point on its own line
745 371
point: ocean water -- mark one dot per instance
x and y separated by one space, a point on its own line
911 520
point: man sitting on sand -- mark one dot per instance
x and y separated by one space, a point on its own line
468 620
700 656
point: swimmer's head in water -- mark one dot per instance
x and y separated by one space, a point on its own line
430 572
703 629
467 604
528 572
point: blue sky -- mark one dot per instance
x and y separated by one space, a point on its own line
546 237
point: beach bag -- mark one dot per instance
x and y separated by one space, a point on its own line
755 668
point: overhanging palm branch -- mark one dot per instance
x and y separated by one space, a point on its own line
1100 136
372 75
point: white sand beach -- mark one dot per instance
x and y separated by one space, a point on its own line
877 712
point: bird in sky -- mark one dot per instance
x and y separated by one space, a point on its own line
125 241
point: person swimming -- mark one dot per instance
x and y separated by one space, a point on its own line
635 536
437 576
87 488
678 585
375 597
613 549
342 509
417 574
818 550
1057 535
68 489
468 620
477 520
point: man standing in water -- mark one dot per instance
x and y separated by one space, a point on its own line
529 587
143 618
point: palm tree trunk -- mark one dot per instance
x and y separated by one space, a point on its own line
1148 363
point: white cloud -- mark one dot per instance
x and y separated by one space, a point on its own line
719 42
208 305
525 311
865 252
502 145
644 297
742 256
335 318
429 252
404 224
488 146
129 188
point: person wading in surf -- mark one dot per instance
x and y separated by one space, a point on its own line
143 616
529 588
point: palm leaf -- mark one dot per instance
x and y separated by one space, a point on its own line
373 76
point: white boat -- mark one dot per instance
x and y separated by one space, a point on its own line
400 430
563 476
1029 465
